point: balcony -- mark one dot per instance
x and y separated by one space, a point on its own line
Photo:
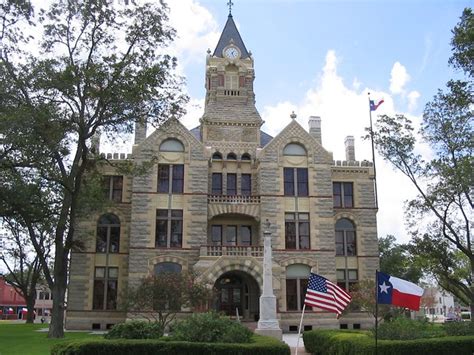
233 204
222 250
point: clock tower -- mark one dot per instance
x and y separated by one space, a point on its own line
230 114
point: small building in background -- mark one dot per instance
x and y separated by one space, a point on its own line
11 301
438 305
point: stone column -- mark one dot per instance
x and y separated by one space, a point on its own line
268 323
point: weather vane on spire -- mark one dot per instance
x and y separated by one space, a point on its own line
230 4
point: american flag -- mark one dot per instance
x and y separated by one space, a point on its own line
323 294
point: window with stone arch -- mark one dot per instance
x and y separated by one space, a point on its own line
108 234
231 156
217 156
246 157
171 145
171 176
346 242
295 179
167 267
296 283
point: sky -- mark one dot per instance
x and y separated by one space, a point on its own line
322 57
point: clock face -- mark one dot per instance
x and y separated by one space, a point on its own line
231 53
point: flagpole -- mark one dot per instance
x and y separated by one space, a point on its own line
376 309
299 329
373 156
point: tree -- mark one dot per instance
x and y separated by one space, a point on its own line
159 298
101 67
442 211
22 263
396 260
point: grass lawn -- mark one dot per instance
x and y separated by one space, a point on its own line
24 339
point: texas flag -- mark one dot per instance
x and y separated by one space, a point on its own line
398 292
374 106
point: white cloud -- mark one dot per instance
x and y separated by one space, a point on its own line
413 97
399 78
344 111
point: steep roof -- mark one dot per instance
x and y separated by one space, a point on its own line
229 35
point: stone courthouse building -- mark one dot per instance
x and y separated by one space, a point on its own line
214 189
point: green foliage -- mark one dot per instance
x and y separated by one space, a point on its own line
135 330
210 328
402 328
439 217
396 260
161 296
459 328
259 345
342 342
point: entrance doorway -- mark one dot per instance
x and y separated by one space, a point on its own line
237 293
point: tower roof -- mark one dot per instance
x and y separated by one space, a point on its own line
229 35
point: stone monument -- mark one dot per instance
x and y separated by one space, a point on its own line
268 323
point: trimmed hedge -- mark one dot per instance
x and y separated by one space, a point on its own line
342 342
260 345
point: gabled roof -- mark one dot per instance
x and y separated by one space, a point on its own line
229 35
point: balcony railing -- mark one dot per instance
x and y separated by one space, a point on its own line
220 250
234 199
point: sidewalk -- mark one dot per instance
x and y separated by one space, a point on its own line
291 340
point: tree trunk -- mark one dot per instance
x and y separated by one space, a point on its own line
30 306
58 290
472 290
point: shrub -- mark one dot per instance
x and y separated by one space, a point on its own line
403 328
260 345
135 329
336 342
210 328
459 328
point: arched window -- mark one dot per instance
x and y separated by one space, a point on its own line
108 234
345 238
246 156
294 149
171 145
296 283
167 267
231 156
217 156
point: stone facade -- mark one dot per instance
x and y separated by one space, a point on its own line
202 204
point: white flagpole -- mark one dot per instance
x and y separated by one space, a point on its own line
299 329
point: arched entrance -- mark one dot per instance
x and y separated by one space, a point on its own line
237 291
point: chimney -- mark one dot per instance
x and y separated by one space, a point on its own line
315 127
350 149
140 131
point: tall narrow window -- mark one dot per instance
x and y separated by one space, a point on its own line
343 194
245 235
108 234
216 183
231 235
216 235
297 231
169 228
231 184
105 288
113 186
295 181
345 238
173 174
296 284
347 278
246 184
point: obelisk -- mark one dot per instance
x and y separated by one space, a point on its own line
268 323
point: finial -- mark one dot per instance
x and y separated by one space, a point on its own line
293 115
208 51
230 4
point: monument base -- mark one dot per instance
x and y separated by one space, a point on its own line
274 333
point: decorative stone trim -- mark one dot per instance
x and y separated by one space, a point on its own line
226 264
166 259
299 260
347 215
